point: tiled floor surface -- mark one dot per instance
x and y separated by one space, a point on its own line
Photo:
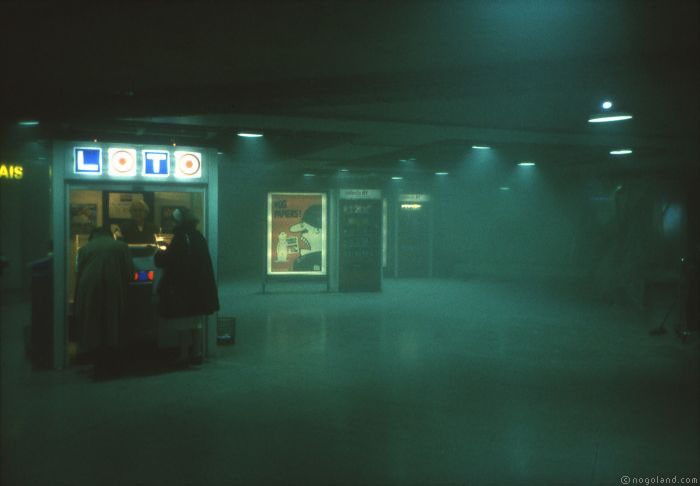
429 382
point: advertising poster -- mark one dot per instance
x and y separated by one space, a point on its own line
120 203
296 234
83 218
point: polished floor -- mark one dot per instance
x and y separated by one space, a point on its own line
430 382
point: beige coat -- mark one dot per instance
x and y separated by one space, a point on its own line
104 270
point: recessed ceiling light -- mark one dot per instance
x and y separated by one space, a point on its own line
397 178
344 170
481 147
28 123
441 173
250 135
621 152
609 118
526 164
606 105
309 175
504 188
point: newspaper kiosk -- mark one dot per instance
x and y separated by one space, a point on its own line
95 184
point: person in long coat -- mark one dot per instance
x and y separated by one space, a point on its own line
187 290
104 270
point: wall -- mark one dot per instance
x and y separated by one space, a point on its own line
618 234
242 222
10 235
509 223
24 209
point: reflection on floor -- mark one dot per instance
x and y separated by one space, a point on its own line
429 382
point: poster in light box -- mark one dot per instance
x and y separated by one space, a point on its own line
296 233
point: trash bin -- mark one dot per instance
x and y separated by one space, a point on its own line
41 331
226 330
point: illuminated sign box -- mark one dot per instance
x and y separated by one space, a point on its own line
414 198
122 162
188 165
147 163
87 160
156 163
360 194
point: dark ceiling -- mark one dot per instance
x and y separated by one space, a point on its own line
366 83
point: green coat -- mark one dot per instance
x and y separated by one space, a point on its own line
104 270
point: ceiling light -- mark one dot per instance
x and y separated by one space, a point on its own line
344 170
481 147
621 152
309 175
609 118
526 164
504 188
397 178
441 173
28 123
606 105
250 135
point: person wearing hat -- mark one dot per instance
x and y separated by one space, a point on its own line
311 229
187 291
139 230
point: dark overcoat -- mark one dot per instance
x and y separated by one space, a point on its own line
104 271
187 287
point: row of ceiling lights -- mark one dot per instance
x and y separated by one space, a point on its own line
599 118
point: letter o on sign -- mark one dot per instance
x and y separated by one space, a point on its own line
188 164
122 162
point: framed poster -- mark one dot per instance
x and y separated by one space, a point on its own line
120 203
296 233
83 218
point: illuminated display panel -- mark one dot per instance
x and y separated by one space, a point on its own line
136 163
87 160
414 198
296 234
188 165
122 162
156 163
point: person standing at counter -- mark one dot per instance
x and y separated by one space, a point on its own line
139 230
104 270
187 291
